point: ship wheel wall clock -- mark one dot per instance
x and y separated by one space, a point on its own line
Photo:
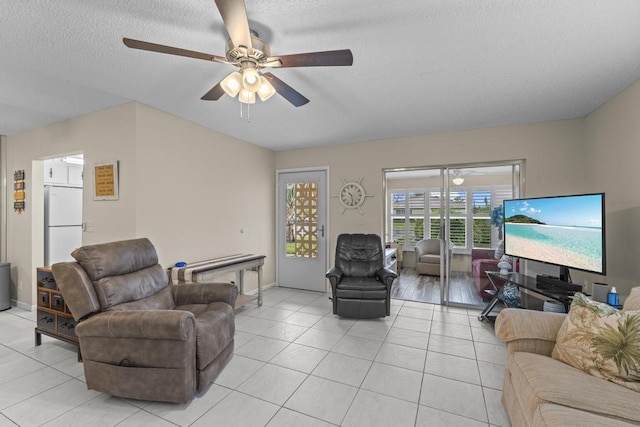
352 195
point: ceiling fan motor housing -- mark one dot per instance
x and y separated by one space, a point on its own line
260 53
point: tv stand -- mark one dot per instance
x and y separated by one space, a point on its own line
565 274
549 282
531 284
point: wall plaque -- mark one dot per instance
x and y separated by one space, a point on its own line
105 181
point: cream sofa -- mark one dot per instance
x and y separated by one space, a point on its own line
541 391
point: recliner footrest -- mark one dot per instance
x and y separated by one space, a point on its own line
361 309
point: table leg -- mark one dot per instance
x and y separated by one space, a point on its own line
259 285
490 306
240 278
38 338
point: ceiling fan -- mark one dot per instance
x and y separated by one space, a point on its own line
250 54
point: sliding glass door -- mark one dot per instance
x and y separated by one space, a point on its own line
457 204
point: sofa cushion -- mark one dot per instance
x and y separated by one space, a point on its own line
359 255
633 300
430 259
114 290
215 329
361 288
116 258
540 379
123 272
601 341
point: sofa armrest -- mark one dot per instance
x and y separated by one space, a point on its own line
486 265
148 324
386 276
528 330
334 275
204 293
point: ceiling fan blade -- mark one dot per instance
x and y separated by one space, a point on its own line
314 59
214 94
286 91
153 47
234 15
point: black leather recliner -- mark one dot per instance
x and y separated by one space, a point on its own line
360 285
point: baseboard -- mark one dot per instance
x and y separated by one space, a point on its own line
264 288
22 305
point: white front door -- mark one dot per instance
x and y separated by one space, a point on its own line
301 241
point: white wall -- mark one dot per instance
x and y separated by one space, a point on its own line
613 146
554 154
187 188
105 135
203 194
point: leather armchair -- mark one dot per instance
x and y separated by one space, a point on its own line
360 285
141 337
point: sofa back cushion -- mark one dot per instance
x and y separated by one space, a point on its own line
124 271
136 286
116 258
602 341
483 254
359 255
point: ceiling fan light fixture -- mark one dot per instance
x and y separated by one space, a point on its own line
247 97
251 80
458 180
266 91
232 84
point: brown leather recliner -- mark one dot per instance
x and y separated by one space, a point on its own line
141 337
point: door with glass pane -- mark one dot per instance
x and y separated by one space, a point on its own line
301 241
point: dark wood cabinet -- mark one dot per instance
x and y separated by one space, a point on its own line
54 318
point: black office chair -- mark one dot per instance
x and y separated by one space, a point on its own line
360 285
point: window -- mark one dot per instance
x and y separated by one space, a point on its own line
481 218
302 220
407 217
435 207
415 213
458 218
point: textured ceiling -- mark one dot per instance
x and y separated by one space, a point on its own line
420 66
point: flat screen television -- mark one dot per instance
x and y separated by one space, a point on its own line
567 231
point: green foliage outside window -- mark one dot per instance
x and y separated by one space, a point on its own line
481 233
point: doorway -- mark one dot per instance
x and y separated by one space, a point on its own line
63 200
453 203
302 229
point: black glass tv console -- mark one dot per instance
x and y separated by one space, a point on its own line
522 281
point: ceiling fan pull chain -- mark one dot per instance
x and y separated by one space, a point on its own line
248 113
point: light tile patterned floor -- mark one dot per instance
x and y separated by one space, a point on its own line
295 364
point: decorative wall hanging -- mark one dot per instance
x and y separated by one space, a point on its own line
105 181
352 195
18 191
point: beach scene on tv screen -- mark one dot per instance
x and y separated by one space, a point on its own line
559 230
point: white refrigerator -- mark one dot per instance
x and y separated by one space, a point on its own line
62 223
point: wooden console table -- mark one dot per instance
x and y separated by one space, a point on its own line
197 272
